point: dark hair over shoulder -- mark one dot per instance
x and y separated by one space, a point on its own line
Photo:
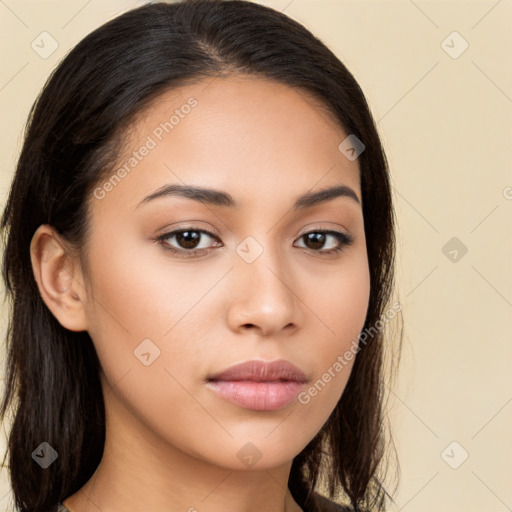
73 135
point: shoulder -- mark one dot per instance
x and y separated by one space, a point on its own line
62 508
323 504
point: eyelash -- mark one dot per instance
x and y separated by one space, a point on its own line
343 239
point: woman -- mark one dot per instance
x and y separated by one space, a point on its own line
199 246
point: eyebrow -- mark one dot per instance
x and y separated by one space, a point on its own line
221 198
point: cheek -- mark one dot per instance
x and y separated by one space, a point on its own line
146 310
341 303
341 308
138 293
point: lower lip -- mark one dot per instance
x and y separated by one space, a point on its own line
258 396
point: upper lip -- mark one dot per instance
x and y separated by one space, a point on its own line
262 371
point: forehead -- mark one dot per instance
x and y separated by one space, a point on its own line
254 137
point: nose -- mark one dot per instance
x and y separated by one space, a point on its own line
264 295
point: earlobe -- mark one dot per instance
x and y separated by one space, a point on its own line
58 278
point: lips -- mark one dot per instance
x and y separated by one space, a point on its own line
261 371
259 385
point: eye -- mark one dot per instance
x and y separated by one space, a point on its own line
187 238
314 239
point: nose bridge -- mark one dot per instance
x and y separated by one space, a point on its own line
264 264
265 296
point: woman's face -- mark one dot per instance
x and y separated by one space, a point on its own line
164 322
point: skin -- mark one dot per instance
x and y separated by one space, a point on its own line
172 443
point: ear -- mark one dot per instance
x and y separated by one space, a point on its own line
59 278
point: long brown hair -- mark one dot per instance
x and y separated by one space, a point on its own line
73 136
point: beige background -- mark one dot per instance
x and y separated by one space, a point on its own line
446 125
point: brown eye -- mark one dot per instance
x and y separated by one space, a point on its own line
316 240
187 240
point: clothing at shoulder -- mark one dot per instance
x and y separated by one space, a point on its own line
323 504
62 508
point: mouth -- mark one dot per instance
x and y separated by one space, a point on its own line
259 385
